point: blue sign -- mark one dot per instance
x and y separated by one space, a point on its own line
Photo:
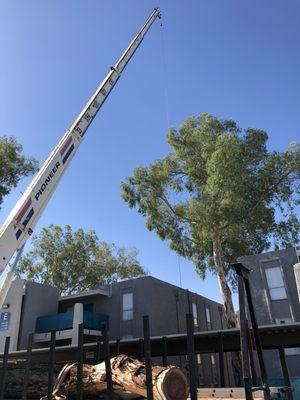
4 321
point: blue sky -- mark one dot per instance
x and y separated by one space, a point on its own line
231 58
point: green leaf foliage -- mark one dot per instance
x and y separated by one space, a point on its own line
76 261
218 181
13 165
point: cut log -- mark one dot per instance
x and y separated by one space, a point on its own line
128 375
169 383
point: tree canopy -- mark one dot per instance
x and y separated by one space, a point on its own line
219 194
76 260
13 165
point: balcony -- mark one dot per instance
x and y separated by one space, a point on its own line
66 325
57 322
64 321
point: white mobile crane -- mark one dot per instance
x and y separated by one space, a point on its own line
21 221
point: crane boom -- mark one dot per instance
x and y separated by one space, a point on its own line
21 221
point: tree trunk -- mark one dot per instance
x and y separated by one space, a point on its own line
128 375
227 302
223 285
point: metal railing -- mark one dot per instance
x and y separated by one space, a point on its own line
64 321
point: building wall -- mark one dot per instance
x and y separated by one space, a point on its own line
167 306
13 301
38 300
269 311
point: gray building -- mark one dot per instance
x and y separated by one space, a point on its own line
276 299
123 304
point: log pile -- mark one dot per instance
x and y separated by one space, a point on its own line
128 375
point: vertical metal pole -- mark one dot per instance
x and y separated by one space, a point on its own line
147 349
221 359
110 392
258 345
27 366
118 347
79 395
225 355
244 339
98 351
141 349
251 358
4 367
285 373
191 356
51 365
189 301
165 351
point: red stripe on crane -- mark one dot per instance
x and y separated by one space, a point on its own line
66 145
24 209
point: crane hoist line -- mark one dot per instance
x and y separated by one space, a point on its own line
21 221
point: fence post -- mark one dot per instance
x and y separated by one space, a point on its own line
147 350
141 349
98 350
285 373
165 351
244 339
221 359
191 355
4 367
51 364
251 357
80 362
27 366
258 345
110 391
118 347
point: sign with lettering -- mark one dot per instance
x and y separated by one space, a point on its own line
4 321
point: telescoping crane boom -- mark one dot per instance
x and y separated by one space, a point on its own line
21 221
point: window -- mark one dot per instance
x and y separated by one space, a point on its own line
127 306
275 283
195 314
294 351
207 314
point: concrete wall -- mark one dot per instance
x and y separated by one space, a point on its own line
268 310
13 301
39 300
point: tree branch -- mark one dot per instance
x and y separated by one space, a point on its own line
264 193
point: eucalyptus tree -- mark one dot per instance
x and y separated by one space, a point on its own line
74 261
14 165
219 194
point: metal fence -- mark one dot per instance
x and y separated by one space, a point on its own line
145 348
103 353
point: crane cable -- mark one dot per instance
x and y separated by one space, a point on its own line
165 76
167 105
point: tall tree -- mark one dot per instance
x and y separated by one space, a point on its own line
214 196
13 165
76 261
